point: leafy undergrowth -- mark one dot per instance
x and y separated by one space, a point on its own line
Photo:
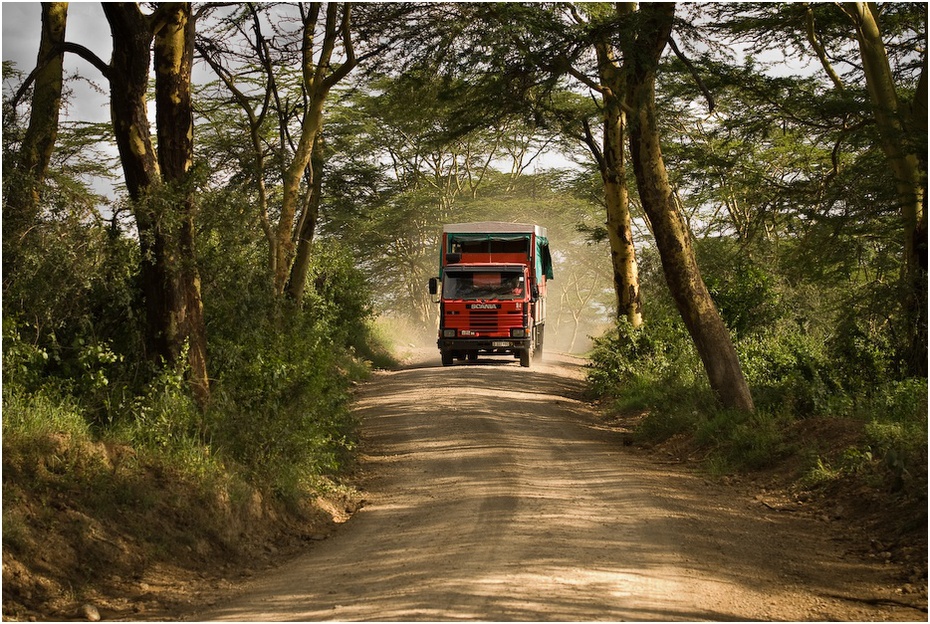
123 528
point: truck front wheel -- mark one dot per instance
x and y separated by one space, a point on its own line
525 356
447 358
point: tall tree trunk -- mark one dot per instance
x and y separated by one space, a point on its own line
619 225
174 55
673 239
903 161
39 141
611 161
21 210
306 228
319 77
162 211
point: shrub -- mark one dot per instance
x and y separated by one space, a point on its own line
897 432
741 441
283 371
654 351
790 370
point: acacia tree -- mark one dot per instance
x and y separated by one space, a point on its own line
642 47
419 171
20 211
158 181
875 59
894 128
611 161
299 124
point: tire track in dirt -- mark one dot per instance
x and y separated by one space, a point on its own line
494 494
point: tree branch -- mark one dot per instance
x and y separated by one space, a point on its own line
589 140
694 74
821 52
61 48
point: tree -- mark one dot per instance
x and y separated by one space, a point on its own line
418 170
21 210
869 106
289 239
159 183
910 181
642 48
183 308
611 161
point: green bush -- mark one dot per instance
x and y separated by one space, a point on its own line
283 369
897 432
744 292
624 355
741 441
791 370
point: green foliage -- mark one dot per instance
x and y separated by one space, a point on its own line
32 417
281 369
281 402
163 418
897 432
745 292
24 362
790 370
651 353
740 441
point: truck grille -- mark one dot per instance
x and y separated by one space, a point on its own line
486 320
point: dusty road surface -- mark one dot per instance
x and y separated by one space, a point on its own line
493 494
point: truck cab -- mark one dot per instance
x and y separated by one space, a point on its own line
492 291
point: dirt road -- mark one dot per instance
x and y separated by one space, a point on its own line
493 493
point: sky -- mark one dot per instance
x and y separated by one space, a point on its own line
22 25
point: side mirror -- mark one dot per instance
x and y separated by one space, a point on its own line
433 286
534 292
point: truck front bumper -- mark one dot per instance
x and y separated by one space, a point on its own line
483 345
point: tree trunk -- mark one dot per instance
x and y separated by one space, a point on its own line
319 77
39 141
673 239
21 210
611 161
174 55
619 226
306 229
905 167
163 212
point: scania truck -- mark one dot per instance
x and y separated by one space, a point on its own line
492 287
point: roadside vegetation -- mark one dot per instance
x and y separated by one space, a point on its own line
110 464
835 413
179 352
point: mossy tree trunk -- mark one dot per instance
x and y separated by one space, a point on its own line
21 208
673 238
158 183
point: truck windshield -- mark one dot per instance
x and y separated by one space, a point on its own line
483 285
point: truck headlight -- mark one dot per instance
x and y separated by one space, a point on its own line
448 333
518 332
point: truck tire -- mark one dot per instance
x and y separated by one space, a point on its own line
540 334
525 357
447 358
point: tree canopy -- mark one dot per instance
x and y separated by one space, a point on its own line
709 165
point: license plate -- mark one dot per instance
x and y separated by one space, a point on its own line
500 344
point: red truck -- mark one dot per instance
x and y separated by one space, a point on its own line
493 279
